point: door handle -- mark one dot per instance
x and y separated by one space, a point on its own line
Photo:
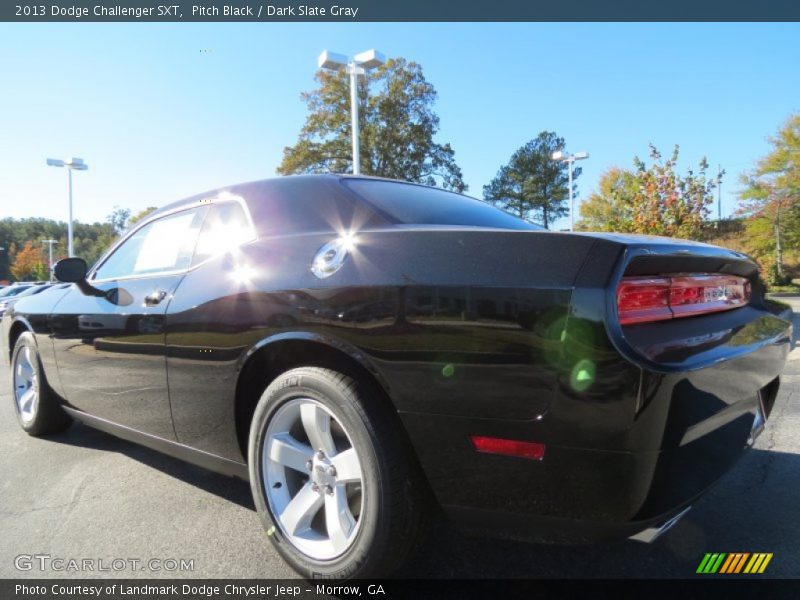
154 298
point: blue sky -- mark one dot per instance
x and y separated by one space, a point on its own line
158 119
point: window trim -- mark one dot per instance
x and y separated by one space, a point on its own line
220 198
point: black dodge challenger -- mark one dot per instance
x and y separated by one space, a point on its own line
366 351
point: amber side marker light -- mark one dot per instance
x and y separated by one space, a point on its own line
645 299
491 445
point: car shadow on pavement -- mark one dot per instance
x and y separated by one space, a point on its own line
229 488
752 509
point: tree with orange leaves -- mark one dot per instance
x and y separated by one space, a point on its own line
29 263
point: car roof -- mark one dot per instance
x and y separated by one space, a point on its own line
274 184
277 186
35 289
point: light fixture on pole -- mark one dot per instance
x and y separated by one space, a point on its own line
358 65
50 255
76 164
570 159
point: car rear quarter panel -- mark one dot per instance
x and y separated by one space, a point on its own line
441 311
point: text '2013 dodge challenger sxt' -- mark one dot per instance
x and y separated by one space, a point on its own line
364 350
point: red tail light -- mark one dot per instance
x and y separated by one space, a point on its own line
644 299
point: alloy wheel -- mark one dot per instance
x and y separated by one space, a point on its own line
26 385
313 479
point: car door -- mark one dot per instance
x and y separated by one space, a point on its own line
108 333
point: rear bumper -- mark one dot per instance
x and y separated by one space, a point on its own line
656 451
579 495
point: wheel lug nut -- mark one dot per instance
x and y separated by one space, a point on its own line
309 464
331 471
329 490
320 455
314 487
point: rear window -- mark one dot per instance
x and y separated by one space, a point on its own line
419 205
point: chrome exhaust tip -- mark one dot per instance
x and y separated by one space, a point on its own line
651 534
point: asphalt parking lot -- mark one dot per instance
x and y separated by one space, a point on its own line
84 494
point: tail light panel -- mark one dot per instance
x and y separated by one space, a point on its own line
647 299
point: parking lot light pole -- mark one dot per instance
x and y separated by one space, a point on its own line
358 65
50 255
76 164
570 159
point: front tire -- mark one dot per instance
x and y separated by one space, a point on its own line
331 476
38 410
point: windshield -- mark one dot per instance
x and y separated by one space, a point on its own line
412 204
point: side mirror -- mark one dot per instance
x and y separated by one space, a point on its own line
71 270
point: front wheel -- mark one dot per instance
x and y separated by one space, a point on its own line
332 480
37 406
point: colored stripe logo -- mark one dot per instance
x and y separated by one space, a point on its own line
734 562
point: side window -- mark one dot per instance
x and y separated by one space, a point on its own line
166 244
225 228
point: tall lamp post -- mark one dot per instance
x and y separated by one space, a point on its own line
50 255
76 164
358 65
570 159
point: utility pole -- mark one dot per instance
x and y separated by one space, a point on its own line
719 192
50 255
778 244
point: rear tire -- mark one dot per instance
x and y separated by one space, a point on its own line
37 406
332 477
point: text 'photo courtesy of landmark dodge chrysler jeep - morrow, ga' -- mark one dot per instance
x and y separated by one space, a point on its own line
368 352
